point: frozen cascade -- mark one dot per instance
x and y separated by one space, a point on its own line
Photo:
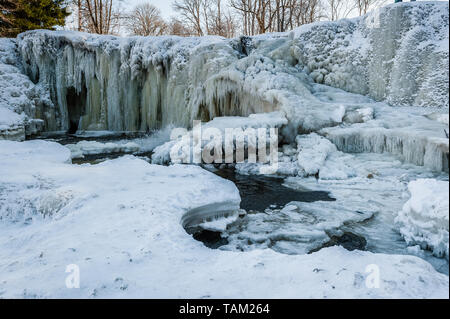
141 83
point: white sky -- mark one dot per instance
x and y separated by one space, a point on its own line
164 5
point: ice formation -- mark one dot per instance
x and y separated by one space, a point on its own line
20 100
119 222
423 220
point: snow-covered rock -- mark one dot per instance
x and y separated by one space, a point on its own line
119 223
424 218
82 148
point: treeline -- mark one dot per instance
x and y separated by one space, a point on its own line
226 18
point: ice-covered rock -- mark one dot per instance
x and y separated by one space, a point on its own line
406 132
20 100
398 53
424 218
318 156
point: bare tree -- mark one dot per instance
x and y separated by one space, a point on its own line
177 27
207 17
260 16
218 20
257 15
364 5
190 11
338 9
145 19
98 16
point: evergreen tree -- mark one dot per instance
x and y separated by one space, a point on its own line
7 8
22 15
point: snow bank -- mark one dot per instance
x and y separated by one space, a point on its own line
119 222
424 218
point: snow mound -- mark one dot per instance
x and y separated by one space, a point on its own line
424 218
317 155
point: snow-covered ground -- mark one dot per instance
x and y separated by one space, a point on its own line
119 222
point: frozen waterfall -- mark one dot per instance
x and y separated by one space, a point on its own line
396 55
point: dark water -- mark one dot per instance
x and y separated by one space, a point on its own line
259 192
65 139
98 158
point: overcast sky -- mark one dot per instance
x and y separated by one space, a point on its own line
164 5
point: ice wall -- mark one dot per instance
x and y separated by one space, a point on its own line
135 84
